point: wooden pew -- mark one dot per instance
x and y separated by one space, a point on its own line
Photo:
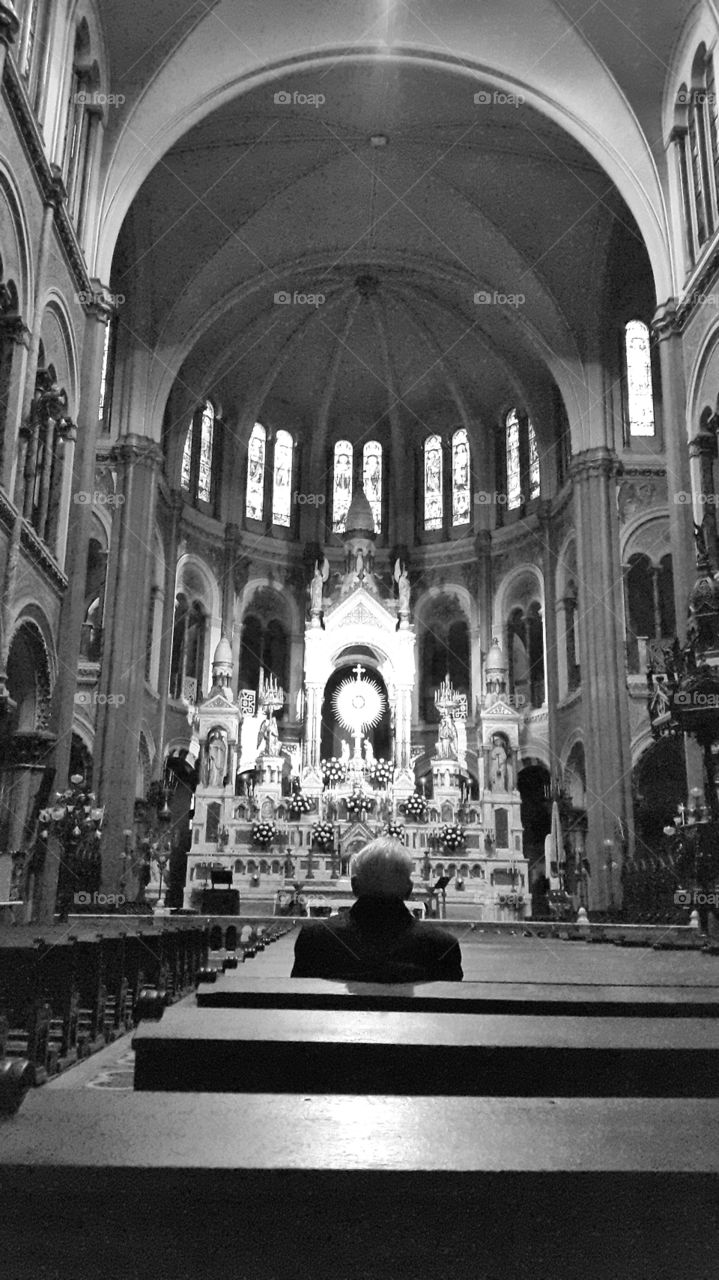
382 1187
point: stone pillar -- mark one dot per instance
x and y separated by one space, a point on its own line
15 336
604 684
120 701
551 638
702 456
22 780
674 416
167 631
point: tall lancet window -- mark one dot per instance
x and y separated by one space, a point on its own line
640 401
342 485
282 479
254 498
433 502
207 436
372 479
186 472
534 481
460 478
514 475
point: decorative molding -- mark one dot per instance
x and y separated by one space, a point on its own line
41 557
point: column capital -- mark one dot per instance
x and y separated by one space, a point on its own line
703 445
598 461
9 22
665 322
137 449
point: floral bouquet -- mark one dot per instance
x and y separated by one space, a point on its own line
333 771
415 808
299 803
396 831
452 835
382 772
357 802
323 834
263 833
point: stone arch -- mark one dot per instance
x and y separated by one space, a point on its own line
30 677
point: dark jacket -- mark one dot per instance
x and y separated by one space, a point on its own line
378 940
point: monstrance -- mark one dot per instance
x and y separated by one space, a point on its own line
359 704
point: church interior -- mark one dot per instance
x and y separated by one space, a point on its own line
394 515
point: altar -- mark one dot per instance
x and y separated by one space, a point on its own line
279 820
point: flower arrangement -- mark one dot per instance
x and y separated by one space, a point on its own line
357 802
415 808
263 833
452 835
382 772
396 831
299 803
323 834
333 771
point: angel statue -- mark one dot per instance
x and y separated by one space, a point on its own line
319 578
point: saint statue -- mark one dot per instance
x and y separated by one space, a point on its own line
345 751
498 764
216 759
316 587
401 577
368 752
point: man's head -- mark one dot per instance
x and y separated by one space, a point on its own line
383 869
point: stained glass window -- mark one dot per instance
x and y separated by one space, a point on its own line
186 473
342 487
640 402
104 405
460 477
204 479
534 483
282 480
514 481
433 502
372 479
254 499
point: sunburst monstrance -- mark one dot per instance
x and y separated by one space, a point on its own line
359 704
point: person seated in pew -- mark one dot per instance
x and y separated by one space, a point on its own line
378 940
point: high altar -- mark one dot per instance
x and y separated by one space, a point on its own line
278 821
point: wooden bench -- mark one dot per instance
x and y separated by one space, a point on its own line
383 1187
418 1052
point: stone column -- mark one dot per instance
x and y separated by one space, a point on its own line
551 637
23 793
167 631
604 683
674 416
120 701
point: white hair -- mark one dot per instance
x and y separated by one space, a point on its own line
383 869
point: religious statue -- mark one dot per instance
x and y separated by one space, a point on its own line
216 759
345 751
447 740
319 578
498 764
401 577
368 752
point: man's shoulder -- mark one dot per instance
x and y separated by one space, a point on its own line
435 933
